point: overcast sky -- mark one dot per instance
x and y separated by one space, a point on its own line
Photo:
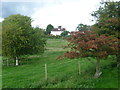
65 13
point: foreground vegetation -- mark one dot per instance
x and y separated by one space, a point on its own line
61 73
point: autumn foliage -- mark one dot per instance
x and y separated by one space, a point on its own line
90 44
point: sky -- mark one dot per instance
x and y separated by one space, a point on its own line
65 13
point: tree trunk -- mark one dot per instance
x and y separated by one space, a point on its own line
98 72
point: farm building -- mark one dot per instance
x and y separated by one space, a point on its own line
57 31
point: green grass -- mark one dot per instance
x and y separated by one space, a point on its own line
56 43
61 73
0 72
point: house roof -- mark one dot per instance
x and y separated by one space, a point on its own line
59 29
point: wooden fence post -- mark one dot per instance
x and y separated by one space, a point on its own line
46 77
16 61
79 69
7 62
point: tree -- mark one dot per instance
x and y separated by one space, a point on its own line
82 27
49 29
38 40
64 33
107 19
90 44
19 38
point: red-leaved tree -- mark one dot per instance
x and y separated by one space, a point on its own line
89 44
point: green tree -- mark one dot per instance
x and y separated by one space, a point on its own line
38 40
49 29
19 38
64 33
82 27
107 19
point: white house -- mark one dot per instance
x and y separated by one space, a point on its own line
57 31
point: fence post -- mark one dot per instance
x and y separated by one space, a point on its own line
46 72
79 69
16 61
7 62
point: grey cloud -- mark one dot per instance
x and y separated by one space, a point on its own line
24 8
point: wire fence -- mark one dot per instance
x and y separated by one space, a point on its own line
12 62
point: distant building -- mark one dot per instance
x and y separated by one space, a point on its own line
57 31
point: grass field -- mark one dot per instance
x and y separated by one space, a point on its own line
61 73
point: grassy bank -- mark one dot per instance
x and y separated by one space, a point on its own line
61 73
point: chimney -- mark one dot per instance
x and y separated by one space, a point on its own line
59 27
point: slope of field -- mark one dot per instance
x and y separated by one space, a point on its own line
61 73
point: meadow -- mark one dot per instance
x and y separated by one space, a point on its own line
61 73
